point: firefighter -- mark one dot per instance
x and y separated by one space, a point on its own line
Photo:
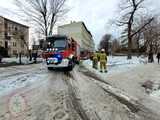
103 61
95 60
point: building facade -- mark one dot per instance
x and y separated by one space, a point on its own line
14 37
79 32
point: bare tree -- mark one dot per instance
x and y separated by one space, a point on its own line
148 39
152 36
20 35
104 43
115 45
129 12
45 13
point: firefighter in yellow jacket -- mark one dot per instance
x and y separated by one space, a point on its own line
103 61
95 60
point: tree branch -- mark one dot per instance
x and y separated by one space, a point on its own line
140 29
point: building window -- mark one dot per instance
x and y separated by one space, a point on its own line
14 52
22 37
1 43
7 36
16 29
13 27
14 44
22 45
22 52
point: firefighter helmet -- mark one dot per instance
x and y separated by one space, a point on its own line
102 50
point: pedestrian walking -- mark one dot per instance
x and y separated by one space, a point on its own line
150 57
16 55
103 61
158 57
30 55
95 60
34 54
1 58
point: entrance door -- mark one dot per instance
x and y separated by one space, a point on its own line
6 48
6 44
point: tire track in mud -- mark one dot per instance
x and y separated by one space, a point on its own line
74 101
133 105
51 104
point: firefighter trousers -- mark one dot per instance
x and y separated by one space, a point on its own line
95 64
103 65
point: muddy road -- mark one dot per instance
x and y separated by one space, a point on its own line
34 93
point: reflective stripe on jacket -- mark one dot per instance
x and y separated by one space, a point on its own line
102 57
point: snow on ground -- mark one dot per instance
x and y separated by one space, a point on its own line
12 83
129 75
25 60
32 93
99 103
155 93
117 64
12 78
48 97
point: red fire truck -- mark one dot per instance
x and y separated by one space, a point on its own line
61 52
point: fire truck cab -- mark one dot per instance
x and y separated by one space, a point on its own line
61 52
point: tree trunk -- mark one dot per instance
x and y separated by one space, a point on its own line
20 58
138 45
129 41
129 48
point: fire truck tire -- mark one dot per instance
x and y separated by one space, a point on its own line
77 62
70 68
50 68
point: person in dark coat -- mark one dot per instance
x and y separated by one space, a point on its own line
1 58
158 56
30 55
150 57
34 55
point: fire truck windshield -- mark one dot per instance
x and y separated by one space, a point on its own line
60 43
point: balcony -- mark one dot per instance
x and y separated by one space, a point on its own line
7 36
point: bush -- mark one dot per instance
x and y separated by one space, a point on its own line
3 52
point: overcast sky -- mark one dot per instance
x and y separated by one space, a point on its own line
95 13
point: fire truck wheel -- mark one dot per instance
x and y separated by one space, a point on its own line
50 68
70 68
71 65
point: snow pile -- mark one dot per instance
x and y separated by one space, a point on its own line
13 83
118 63
24 60
156 94
156 90
121 60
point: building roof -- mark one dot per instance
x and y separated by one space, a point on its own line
81 22
14 22
86 28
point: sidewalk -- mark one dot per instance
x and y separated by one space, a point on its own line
132 80
6 62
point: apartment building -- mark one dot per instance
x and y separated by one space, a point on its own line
14 37
80 33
